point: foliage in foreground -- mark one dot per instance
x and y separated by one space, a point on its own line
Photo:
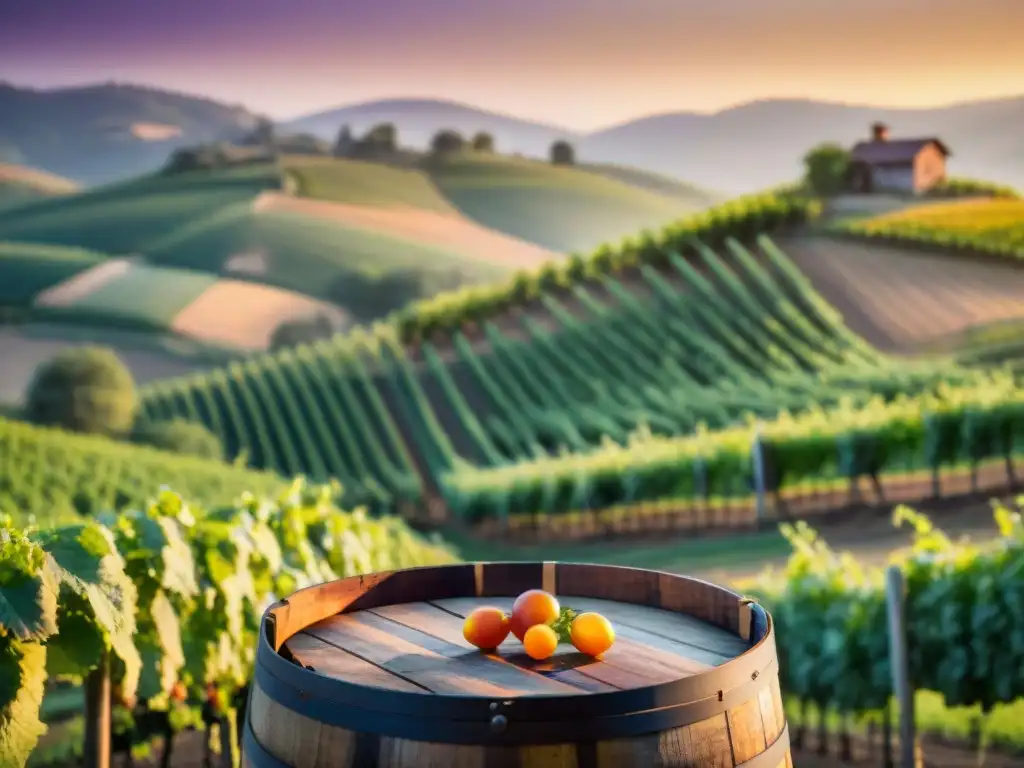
172 594
965 618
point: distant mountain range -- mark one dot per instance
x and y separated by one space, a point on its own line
102 132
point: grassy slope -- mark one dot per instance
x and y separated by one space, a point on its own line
1000 220
20 185
124 218
132 296
27 269
562 208
364 183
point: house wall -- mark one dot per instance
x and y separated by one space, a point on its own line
929 168
893 177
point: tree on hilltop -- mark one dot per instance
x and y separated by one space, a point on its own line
344 143
483 142
84 389
447 141
562 153
383 137
826 168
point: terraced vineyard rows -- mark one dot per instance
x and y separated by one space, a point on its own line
707 338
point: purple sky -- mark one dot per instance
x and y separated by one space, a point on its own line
582 63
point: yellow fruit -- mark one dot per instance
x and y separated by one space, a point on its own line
540 641
486 627
535 606
591 633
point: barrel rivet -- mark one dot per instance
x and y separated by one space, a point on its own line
494 705
499 723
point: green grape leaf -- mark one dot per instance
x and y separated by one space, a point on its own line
28 590
163 542
160 648
91 570
22 679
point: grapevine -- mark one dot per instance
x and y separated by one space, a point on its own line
173 594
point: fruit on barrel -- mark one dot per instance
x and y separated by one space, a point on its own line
535 606
592 633
486 627
540 641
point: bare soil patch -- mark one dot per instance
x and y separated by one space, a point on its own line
455 233
900 299
245 315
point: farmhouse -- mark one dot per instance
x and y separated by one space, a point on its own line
901 165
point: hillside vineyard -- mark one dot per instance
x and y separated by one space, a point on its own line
698 327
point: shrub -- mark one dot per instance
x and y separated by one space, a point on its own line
826 168
483 142
181 436
86 389
446 142
305 330
562 153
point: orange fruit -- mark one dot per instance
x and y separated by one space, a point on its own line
540 641
535 606
486 627
591 633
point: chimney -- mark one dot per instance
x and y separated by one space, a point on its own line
879 132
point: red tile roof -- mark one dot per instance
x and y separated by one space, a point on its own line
897 151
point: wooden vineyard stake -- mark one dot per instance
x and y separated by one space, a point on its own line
97 716
757 457
900 663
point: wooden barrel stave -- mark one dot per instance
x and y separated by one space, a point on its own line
750 731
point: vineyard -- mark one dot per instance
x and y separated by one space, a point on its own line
964 612
48 476
561 391
993 227
164 602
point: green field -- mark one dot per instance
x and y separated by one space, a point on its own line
364 183
309 255
991 226
26 269
149 296
561 208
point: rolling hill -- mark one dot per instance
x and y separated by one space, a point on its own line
369 237
761 143
20 185
736 150
106 132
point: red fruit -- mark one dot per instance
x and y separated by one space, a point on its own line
178 692
535 606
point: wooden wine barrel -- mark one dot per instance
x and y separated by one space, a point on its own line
374 671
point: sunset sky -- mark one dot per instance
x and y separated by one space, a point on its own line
580 63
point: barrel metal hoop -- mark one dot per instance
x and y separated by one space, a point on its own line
773 756
517 732
253 753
